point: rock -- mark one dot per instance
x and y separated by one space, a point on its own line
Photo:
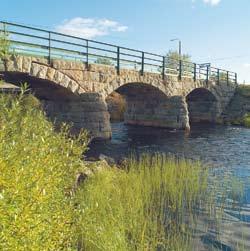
80 178
109 160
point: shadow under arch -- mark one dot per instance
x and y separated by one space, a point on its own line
203 106
147 105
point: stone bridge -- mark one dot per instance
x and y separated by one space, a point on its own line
76 92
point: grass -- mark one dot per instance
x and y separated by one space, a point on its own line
146 207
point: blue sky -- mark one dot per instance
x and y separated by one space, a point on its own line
216 31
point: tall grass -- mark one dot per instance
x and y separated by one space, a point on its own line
150 206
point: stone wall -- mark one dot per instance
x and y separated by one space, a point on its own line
238 107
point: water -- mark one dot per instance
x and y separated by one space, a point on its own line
226 149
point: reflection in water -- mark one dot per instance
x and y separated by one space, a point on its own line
226 149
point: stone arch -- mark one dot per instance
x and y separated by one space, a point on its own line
147 105
40 69
203 106
134 77
62 105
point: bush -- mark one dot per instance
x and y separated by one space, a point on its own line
37 169
246 120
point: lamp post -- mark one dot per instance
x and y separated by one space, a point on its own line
180 46
180 56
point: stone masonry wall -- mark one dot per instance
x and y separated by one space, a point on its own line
238 107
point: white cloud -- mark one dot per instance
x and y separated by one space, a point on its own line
212 2
90 27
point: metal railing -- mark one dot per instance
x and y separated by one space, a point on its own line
39 42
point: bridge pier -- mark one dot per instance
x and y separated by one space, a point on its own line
166 113
88 112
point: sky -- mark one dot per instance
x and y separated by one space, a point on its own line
211 31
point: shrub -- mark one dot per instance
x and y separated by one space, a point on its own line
37 169
246 120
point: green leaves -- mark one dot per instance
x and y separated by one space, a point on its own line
4 44
37 169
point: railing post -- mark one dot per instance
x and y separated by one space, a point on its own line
87 54
207 74
142 64
227 77
163 67
118 60
195 69
180 69
49 47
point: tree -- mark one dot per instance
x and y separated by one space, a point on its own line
173 62
105 61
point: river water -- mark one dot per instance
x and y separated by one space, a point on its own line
225 148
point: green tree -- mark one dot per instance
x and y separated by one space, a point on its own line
105 61
173 62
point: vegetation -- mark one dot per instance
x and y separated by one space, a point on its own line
105 61
175 56
146 207
151 204
37 169
244 90
172 62
4 44
246 120
114 210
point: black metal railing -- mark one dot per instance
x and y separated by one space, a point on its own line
39 42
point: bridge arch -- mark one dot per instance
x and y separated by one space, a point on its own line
147 105
62 104
203 106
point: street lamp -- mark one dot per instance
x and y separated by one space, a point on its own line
177 39
180 57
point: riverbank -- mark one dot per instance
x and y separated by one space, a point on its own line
50 200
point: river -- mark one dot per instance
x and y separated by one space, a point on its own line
225 148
